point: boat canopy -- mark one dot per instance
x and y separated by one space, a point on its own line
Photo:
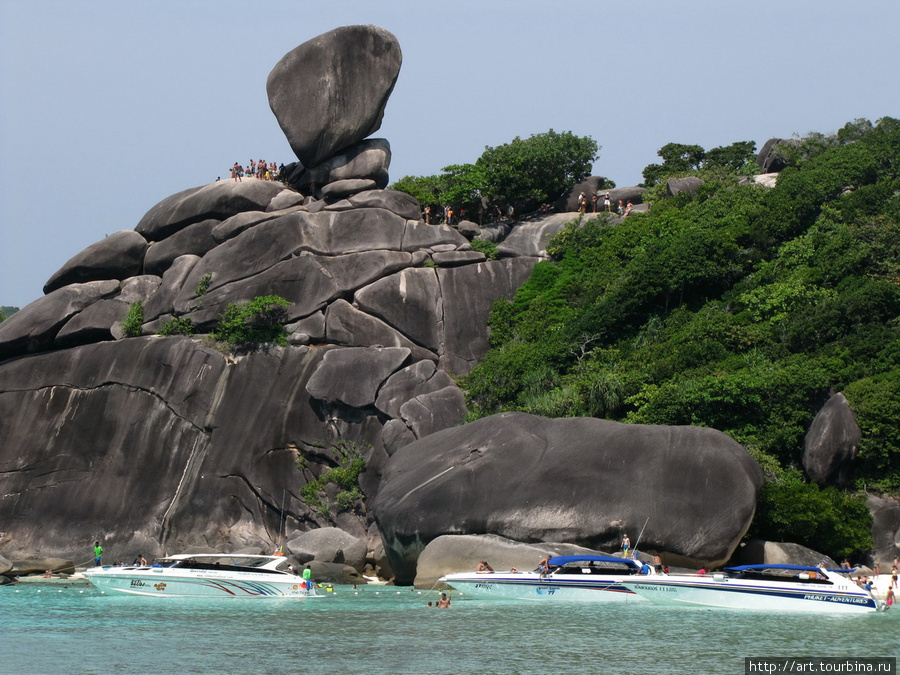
565 559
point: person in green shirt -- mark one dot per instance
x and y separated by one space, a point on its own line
98 553
307 576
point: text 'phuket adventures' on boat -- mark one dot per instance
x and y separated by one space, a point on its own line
760 587
206 575
572 577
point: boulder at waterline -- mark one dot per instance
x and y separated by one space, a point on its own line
580 480
760 551
329 544
462 553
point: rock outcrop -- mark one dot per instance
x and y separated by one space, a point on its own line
885 527
760 551
580 480
462 553
687 184
330 92
769 160
831 443
154 444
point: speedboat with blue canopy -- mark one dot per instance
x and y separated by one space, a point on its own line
766 587
567 577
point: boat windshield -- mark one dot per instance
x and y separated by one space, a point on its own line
223 563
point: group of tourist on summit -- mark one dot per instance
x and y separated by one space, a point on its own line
259 170
622 208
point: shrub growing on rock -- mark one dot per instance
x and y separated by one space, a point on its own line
134 320
256 322
179 325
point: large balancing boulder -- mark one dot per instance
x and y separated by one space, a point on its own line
330 92
689 492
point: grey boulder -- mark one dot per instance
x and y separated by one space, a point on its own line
329 544
330 92
760 551
195 239
581 480
687 184
369 159
885 512
34 327
220 200
831 443
462 553
353 375
118 256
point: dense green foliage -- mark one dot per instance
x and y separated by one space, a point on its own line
680 160
179 325
350 462
489 248
522 173
739 308
6 312
820 518
134 320
253 323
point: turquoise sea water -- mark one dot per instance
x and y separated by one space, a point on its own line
50 628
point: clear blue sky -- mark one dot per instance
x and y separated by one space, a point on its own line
108 107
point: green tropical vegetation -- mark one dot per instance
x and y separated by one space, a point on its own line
179 325
134 320
520 174
6 312
740 308
350 463
247 324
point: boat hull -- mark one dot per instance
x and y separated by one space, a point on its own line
165 582
528 586
737 594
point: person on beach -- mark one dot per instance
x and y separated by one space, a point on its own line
98 553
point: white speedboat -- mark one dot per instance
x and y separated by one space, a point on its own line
205 575
760 587
572 577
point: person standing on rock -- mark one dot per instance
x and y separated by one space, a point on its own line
98 553
626 544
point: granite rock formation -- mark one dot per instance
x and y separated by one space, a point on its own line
831 443
462 553
760 551
330 92
154 444
580 480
